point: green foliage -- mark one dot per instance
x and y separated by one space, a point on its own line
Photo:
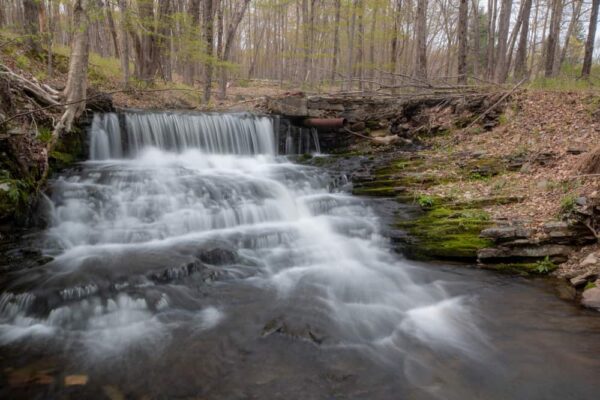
545 266
425 201
44 134
567 204
589 285
22 61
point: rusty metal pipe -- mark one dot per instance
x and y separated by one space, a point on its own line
324 123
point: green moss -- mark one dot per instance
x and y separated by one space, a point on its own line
44 134
446 233
589 285
523 269
384 191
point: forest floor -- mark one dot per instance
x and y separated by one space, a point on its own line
533 154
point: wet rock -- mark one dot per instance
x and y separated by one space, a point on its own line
500 234
357 127
566 292
582 279
303 331
558 253
591 298
217 256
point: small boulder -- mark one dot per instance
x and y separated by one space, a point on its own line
591 298
590 260
583 279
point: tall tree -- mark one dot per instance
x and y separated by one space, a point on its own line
553 38
336 40
591 38
76 87
521 57
463 17
421 32
124 41
208 48
501 58
231 34
32 27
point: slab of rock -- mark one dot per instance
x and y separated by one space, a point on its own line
558 253
591 298
590 260
293 106
504 233
582 279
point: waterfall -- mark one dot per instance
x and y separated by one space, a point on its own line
242 134
189 228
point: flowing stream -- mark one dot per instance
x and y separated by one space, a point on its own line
191 260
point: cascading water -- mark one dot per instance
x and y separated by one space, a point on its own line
189 252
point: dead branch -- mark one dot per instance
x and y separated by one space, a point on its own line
483 114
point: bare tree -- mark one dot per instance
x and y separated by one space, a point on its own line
208 48
421 32
589 44
336 40
231 32
521 57
76 88
463 17
501 50
553 38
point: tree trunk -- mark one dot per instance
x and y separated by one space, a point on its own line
394 45
463 17
372 49
476 48
231 32
124 42
32 27
361 46
208 48
305 40
421 32
553 38
336 40
521 57
589 44
76 88
352 26
501 50
111 25
570 30
491 40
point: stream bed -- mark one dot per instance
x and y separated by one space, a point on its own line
189 260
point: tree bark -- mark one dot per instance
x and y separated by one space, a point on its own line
501 50
574 21
589 44
421 32
336 40
553 38
124 42
111 26
32 27
521 57
208 48
231 32
463 17
76 88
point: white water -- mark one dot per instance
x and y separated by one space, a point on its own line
129 230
